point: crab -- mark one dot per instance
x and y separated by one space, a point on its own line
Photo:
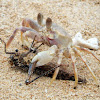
57 39
16 60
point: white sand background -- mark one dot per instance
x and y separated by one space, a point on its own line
73 15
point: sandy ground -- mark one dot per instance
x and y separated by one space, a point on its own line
73 15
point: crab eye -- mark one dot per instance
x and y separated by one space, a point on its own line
48 23
16 50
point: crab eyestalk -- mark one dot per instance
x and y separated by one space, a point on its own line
48 24
40 19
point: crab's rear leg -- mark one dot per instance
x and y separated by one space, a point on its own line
5 48
93 75
75 72
88 51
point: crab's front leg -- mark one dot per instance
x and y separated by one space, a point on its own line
28 33
75 69
40 59
58 64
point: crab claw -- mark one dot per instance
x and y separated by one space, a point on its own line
40 59
30 71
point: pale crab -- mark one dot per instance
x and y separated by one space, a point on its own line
57 39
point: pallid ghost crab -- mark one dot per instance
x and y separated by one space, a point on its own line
58 39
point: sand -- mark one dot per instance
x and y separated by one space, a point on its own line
73 15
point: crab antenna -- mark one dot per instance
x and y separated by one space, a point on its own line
48 23
5 48
40 18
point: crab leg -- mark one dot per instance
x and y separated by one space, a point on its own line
30 50
79 48
25 42
30 23
32 35
5 48
58 64
33 24
75 72
23 30
93 75
25 24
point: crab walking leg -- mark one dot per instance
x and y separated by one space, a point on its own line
22 29
58 64
82 49
25 41
93 75
5 48
27 35
31 23
75 72
22 37
24 23
55 75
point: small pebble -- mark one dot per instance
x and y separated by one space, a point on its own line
20 84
